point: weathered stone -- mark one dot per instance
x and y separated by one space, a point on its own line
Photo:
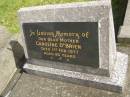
111 63
112 83
127 15
35 86
99 11
124 33
12 57
4 36
7 67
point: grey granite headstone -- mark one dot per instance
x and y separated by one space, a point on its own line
124 32
97 63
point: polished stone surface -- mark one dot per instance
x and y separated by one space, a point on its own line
99 11
110 60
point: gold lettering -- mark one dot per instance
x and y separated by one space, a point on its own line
48 44
85 34
32 33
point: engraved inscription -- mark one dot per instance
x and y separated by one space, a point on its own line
68 42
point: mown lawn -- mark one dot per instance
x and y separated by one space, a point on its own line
8 10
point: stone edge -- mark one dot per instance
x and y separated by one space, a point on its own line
115 83
68 5
104 65
124 29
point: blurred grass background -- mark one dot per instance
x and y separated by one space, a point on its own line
8 11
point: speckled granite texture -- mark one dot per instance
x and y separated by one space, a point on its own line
124 33
113 83
99 11
36 86
111 63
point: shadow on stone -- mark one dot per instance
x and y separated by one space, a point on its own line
18 53
119 9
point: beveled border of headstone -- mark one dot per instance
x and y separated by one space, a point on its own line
112 70
115 83
91 11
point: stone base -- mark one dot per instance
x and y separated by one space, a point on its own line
7 66
115 82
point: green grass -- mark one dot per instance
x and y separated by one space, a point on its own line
8 10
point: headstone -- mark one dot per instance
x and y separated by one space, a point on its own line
73 42
124 33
